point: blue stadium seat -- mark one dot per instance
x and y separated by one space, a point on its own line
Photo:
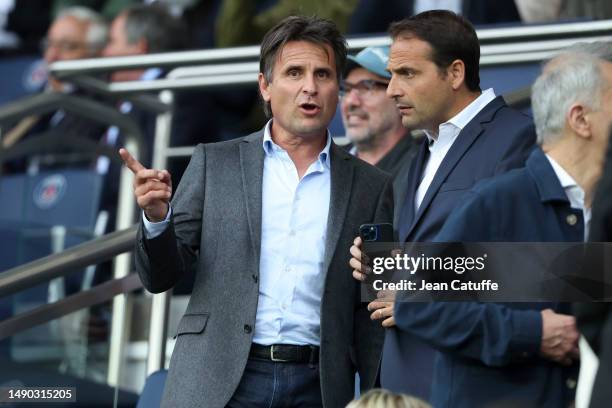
70 198
30 208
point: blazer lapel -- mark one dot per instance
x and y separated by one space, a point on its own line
251 163
341 186
404 213
466 138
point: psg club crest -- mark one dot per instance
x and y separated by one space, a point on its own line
49 191
35 77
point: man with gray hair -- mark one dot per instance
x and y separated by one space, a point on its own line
144 29
140 30
524 353
76 33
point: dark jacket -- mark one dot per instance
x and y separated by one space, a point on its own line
489 352
498 139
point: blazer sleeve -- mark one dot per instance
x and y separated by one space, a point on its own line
369 334
492 333
522 142
161 261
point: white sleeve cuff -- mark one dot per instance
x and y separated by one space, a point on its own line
155 229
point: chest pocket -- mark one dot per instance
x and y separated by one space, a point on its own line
192 323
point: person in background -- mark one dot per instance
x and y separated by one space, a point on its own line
76 33
372 122
141 30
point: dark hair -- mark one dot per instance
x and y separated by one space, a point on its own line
162 31
450 36
315 30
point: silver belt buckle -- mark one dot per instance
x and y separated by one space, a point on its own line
277 360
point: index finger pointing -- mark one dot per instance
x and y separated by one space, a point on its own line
130 161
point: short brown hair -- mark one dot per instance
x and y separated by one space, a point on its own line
450 36
315 30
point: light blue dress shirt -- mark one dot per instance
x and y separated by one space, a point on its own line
293 235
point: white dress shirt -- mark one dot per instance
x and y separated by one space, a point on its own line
575 193
447 134
293 234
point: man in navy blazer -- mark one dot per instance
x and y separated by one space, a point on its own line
471 135
524 354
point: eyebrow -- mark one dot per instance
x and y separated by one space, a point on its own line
323 69
293 66
403 70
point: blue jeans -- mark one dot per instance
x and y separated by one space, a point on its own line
268 384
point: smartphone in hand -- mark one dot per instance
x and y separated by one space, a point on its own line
376 232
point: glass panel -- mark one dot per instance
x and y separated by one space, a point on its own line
68 352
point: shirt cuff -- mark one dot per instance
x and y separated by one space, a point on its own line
155 229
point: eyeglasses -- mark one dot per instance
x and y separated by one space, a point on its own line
62 45
365 87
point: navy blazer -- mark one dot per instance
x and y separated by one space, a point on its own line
489 353
498 139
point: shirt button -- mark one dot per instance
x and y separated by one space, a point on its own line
247 328
571 383
292 233
288 269
571 219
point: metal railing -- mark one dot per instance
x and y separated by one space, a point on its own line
239 66
518 34
63 264
104 114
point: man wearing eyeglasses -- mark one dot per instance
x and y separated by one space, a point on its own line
76 33
372 122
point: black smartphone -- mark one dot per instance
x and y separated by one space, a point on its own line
376 232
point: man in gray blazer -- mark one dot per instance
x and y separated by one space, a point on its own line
275 318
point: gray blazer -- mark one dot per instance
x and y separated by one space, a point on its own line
216 227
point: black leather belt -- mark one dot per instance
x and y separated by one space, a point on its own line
285 353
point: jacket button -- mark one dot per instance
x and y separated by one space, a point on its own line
247 328
571 383
571 219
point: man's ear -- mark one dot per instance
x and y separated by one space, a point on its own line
578 120
456 71
264 87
